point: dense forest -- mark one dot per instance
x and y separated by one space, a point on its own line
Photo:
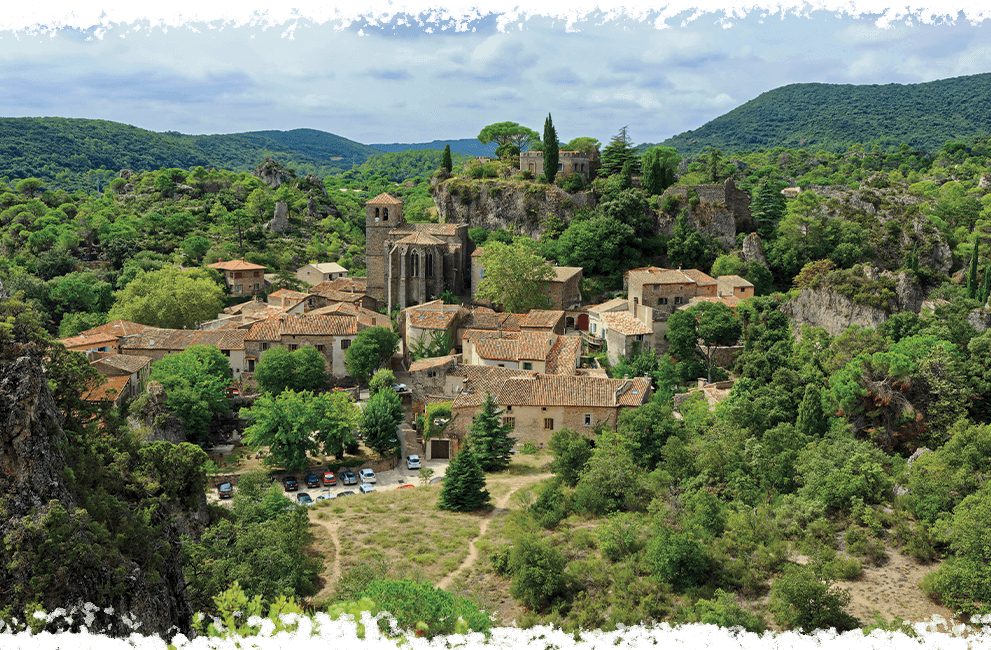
818 116
686 515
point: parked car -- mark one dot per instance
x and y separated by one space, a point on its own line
290 484
365 488
348 493
329 478
304 499
399 388
349 478
413 462
367 476
225 491
312 480
406 486
326 496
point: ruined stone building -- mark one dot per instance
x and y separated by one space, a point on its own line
568 162
412 263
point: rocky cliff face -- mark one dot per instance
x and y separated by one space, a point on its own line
511 205
708 218
53 552
834 312
155 422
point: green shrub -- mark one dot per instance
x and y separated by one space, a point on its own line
676 558
621 536
848 568
803 599
723 611
425 609
538 573
573 182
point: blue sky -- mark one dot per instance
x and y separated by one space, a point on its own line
415 73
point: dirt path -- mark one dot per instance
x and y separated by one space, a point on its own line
501 506
335 571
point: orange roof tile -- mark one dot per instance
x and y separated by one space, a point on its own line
274 329
108 391
288 294
542 318
573 390
431 362
479 380
565 273
384 199
432 320
236 265
435 229
117 328
124 362
624 323
564 356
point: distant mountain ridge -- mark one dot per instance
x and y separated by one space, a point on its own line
831 116
467 146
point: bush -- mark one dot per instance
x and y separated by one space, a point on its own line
622 536
551 506
573 182
538 573
802 599
723 611
426 609
676 558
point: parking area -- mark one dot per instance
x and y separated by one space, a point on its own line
388 480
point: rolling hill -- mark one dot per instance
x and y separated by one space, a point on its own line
467 146
831 116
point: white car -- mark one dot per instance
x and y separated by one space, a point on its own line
365 488
367 476
413 462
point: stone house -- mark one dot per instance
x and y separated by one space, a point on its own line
102 339
427 377
736 201
543 320
112 389
314 274
734 286
412 263
137 370
243 278
330 334
541 352
537 405
350 290
157 343
419 324
568 162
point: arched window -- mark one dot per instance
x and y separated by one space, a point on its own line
385 214
376 214
430 266
414 265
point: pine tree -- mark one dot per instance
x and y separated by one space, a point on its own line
768 208
551 150
445 160
464 483
972 277
654 177
490 437
715 158
986 286
626 176
617 153
811 419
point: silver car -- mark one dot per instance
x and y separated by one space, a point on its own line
367 476
365 488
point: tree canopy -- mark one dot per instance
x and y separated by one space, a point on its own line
302 369
195 382
169 298
368 351
515 276
510 136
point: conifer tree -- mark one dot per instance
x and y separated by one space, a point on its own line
626 176
490 437
972 277
445 160
986 286
654 177
811 419
768 208
464 483
551 149
715 158
617 153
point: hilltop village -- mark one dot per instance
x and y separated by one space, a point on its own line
588 389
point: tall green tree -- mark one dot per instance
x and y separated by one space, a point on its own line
617 153
515 275
768 208
195 382
445 161
551 150
658 165
687 247
368 351
696 332
169 298
511 138
972 277
302 369
712 166
464 483
380 420
490 437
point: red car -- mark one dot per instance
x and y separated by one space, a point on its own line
403 487
329 478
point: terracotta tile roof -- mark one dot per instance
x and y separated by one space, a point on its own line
542 318
729 301
117 328
350 285
610 305
287 294
478 380
431 320
436 229
514 346
572 390
340 296
565 273
477 252
274 329
510 321
82 340
107 392
624 323
432 362
419 238
564 356
236 265
154 338
366 317
124 362
655 275
384 199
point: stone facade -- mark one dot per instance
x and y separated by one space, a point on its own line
568 162
412 263
243 278
737 201
314 274
331 335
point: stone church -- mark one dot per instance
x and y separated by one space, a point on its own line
413 263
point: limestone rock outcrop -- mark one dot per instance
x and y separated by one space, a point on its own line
272 173
153 420
753 249
280 221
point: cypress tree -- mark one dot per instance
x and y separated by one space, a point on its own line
464 483
811 419
972 277
715 157
626 176
653 176
490 437
551 150
986 286
445 160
